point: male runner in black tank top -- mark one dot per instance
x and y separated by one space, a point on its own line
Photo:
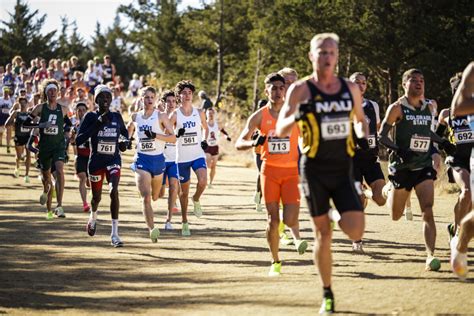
366 162
325 108
463 104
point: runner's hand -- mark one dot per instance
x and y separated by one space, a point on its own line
204 145
260 140
123 145
181 132
448 147
405 154
150 134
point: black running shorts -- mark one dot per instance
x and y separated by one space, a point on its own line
408 179
370 171
81 164
320 186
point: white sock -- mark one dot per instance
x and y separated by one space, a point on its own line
93 215
115 227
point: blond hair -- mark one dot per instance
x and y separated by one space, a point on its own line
287 71
321 37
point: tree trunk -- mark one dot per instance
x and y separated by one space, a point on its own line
220 53
255 82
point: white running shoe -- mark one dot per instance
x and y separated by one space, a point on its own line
258 208
257 198
154 233
116 241
59 211
386 189
357 247
168 226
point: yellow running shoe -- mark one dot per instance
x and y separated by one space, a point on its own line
275 269
49 215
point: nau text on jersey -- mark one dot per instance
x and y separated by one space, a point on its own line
333 106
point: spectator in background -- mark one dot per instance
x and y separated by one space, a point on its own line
98 66
206 102
9 78
58 73
92 78
66 74
41 73
74 65
134 85
108 70
33 67
16 63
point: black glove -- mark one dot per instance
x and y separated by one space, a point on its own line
204 145
150 134
405 154
129 147
228 139
363 143
181 132
255 135
448 147
260 140
304 109
123 145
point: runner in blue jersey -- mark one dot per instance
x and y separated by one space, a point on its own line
108 137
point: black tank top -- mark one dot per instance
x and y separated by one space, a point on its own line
107 73
371 119
461 134
325 124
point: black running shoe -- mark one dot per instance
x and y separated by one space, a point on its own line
91 227
116 242
451 231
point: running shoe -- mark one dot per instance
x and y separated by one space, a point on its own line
86 208
43 198
258 208
27 179
328 306
257 198
91 227
154 233
408 214
285 240
185 230
16 173
334 215
8 150
53 194
209 186
458 260
432 264
49 215
168 226
116 241
451 232
275 269
175 209
386 189
357 247
301 246
197 209
59 211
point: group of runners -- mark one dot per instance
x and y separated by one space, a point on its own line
318 135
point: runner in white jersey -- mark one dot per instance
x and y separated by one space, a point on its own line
149 161
190 124
212 151
168 101
6 104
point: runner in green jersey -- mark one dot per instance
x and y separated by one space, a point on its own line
410 163
52 119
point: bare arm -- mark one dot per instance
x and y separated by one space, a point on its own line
204 124
131 125
11 118
463 101
170 137
244 141
393 115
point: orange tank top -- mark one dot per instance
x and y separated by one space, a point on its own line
278 152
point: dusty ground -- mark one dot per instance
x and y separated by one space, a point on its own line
54 267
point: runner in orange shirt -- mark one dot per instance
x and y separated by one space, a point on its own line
279 174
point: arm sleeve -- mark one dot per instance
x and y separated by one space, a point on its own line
385 140
377 112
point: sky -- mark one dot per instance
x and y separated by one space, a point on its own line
85 12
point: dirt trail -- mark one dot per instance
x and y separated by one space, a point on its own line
54 267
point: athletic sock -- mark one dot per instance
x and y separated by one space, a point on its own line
93 215
115 227
327 292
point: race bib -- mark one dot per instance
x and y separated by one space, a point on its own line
190 139
278 145
52 130
464 137
336 128
106 148
371 141
5 110
147 145
420 143
212 142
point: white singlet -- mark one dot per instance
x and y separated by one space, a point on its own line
189 145
146 145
